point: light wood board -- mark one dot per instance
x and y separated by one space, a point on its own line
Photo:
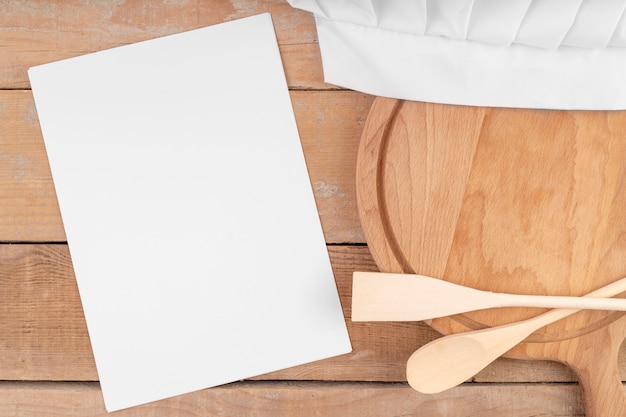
506 200
301 399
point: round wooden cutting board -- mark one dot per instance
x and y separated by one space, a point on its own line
507 200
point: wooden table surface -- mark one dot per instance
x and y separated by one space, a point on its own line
46 364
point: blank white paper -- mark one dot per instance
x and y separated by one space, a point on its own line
188 211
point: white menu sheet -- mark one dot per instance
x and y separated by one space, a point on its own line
188 210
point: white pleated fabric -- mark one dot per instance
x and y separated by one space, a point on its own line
557 54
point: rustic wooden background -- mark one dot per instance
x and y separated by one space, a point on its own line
46 365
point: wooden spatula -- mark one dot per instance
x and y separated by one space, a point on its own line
378 296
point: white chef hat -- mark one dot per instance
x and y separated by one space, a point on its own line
561 54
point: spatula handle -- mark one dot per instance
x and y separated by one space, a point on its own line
609 290
568 302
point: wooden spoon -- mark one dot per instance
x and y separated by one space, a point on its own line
379 296
449 361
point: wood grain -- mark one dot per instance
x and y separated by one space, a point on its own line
506 200
35 33
44 336
302 399
329 122
28 204
413 164
42 330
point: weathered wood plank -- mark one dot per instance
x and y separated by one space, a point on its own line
302 399
33 33
44 336
41 319
28 204
329 123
